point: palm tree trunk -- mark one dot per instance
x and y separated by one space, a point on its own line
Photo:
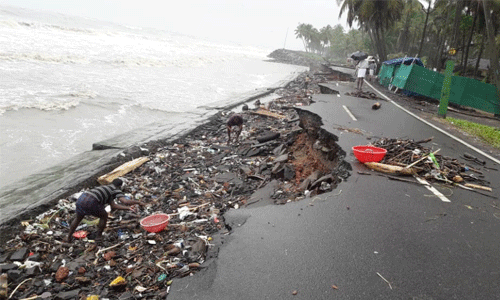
440 54
438 44
470 39
423 31
493 53
479 55
379 34
403 42
456 23
463 52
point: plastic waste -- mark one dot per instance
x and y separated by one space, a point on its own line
118 281
3 286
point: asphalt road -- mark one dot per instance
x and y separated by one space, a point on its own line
372 238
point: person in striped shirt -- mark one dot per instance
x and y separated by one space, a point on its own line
94 201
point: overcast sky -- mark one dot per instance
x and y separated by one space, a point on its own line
251 22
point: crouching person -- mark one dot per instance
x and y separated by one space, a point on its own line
235 120
94 201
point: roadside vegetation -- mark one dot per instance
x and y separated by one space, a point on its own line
423 28
490 135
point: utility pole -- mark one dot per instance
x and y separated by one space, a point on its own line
286 37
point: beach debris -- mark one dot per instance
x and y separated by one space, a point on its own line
390 286
266 112
391 169
409 157
122 170
194 180
362 94
3 286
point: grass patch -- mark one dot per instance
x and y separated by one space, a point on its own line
490 135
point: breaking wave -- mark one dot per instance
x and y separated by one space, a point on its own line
67 59
41 105
49 102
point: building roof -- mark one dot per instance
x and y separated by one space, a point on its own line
484 64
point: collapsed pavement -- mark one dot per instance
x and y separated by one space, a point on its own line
283 156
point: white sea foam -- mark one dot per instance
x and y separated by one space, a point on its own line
68 59
41 105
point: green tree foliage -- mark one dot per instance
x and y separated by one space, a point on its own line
374 17
332 42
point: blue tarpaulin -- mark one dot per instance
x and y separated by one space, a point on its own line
405 60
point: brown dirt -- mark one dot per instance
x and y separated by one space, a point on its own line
306 159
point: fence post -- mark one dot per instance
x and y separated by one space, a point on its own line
445 91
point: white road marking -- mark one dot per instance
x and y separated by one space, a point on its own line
432 189
437 128
349 113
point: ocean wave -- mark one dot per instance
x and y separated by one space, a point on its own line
82 94
193 61
47 106
9 24
37 25
67 59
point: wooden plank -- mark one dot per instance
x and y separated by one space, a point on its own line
122 170
267 113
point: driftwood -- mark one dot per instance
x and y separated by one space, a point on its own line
390 169
122 170
267 113
479 187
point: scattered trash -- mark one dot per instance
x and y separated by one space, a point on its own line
80 234
408 157
190 183
390 286
366 95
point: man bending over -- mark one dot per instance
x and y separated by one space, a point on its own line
94 201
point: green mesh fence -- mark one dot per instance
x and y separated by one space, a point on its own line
464 91
473 93
385 74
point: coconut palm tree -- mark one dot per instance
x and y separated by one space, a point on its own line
301 33
374 17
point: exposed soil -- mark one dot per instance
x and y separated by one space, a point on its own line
306 159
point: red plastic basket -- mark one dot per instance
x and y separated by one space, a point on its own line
369 153
155 223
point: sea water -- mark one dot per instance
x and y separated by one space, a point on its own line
68 82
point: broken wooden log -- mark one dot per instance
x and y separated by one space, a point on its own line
390 169
479 187
122 170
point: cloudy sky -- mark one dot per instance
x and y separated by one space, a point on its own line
253 22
